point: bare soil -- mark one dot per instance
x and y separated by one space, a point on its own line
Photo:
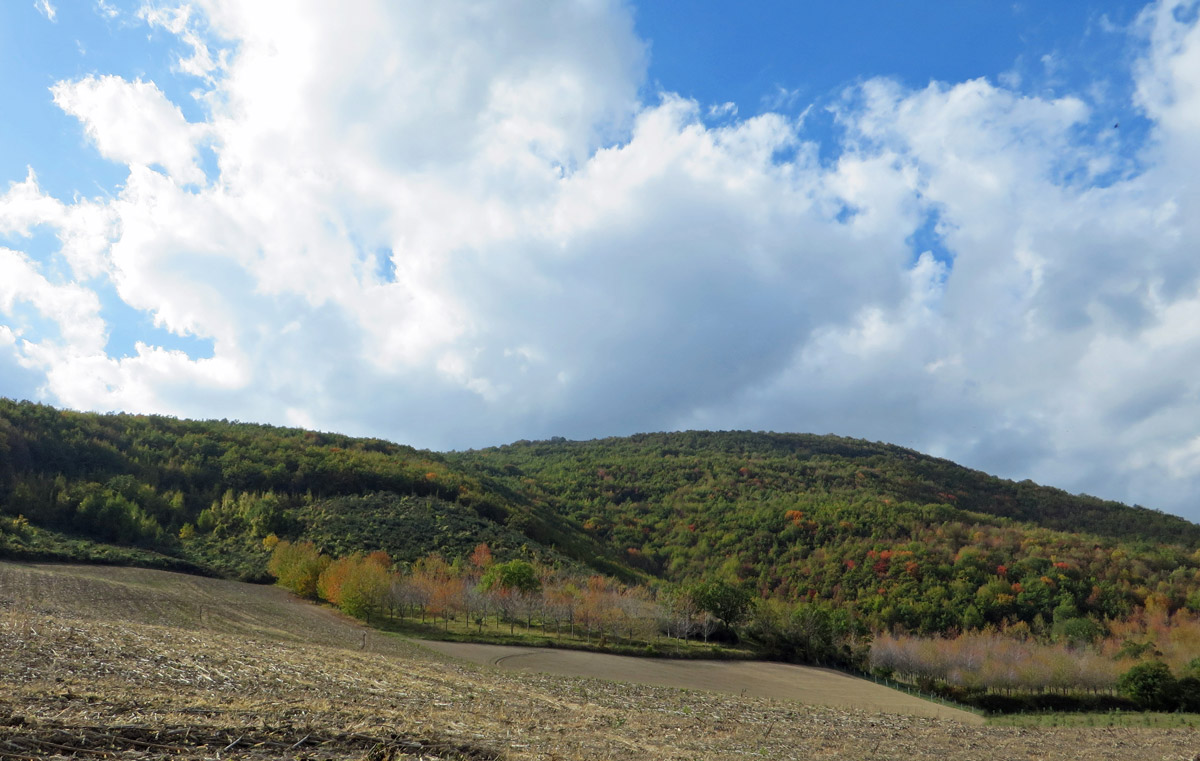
134 664
804 684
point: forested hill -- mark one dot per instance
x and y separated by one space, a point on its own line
740 465
896 537
201 495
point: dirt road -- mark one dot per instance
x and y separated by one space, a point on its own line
814 686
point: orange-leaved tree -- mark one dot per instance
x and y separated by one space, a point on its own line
358 584
329 585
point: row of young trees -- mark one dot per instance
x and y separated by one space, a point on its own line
467 592
470 590
1150 658
991 660
157 482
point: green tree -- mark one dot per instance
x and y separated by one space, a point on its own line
724 601
1150 685
297 567
1076 631
972 619
517 575
365 587
1189 694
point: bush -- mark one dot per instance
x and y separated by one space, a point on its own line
1151 686
1026 703
1192 668
993 703
515 574
1189 694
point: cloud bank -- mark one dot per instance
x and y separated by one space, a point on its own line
453 225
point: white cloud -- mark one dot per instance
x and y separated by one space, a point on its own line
134 123
24 207
1063 335
723 110
107 10
84 228
782 99
454 225
47 9
179 21
72 308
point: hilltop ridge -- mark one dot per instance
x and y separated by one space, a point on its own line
888 535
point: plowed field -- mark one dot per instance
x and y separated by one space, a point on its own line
133 664
804 684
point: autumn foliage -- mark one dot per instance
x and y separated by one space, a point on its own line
358 584
299 567
1140 658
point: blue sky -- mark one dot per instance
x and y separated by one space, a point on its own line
764 56
968 228
747 52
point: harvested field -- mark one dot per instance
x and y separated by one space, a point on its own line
803 684
133 664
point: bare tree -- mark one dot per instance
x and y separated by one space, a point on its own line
476 604
407 593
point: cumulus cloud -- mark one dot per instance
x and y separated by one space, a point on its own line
1064 329
72 308
454 225
24 206
133 123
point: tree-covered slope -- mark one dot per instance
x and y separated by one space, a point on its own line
209 492
883 534
744 465
897 537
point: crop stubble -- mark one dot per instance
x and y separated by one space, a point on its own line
124 663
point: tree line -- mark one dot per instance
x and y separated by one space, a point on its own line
466 592
1150 659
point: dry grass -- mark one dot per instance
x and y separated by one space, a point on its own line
131 664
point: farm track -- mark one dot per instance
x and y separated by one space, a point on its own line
133 664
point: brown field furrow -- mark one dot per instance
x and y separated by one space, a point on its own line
117 655
50 738
815 686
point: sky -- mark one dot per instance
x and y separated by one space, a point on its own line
969 228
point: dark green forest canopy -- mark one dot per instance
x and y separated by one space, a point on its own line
653 466
891 536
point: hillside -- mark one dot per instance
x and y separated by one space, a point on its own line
898 537
200 496
879 537
169 666
740 465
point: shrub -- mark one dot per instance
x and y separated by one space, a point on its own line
1151 686
516 575
1026 702
1189 694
